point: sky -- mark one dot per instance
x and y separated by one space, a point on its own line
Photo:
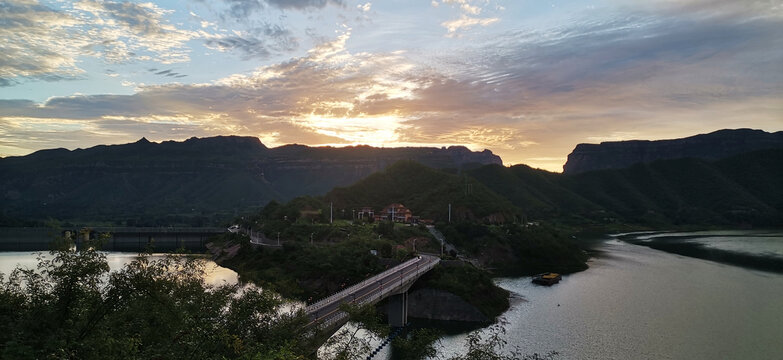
527 79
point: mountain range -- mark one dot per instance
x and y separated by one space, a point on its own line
740 190
194 181
205 181
743 190
713 146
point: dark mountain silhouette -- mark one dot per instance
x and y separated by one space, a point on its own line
743 189
201 181
195 180
713 146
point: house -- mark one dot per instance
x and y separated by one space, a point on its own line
397 213
366 213
394 212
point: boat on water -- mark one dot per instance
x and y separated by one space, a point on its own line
547 278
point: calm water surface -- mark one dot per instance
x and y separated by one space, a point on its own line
633 302
758 242
215 275
638 303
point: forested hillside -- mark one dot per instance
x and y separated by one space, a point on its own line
744 189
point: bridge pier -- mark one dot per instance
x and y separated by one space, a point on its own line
398 309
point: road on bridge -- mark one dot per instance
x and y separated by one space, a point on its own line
366 290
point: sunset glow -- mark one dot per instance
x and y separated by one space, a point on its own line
526 79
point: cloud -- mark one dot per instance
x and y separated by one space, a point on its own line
713 8
528 95
167 73
662 77
306 99
465 6
468 17
243 9
466 22
37 42
129 30
42 43
248 47
260 43
303 4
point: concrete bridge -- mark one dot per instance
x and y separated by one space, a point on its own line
134 239
325 315
161 238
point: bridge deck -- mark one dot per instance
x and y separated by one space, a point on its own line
326 312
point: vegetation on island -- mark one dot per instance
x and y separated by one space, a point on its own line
307 273
517 249
473 285
317 259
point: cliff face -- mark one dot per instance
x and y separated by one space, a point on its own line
712 146
196 177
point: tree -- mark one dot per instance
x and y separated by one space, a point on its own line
353 342
418 344
73 307
490 346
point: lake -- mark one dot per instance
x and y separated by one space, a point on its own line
215 275
634 302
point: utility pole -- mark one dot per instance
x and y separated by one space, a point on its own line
330 213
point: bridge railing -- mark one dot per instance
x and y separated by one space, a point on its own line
375 296
344 293
389 289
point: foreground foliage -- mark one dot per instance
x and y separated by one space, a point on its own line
355 340
489 345
72 307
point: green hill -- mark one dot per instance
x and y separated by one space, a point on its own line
428 193
540 194
743 189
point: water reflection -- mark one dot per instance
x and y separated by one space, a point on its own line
214 274
638 303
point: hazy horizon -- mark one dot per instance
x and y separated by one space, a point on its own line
505 163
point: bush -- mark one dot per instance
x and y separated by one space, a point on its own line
72 307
